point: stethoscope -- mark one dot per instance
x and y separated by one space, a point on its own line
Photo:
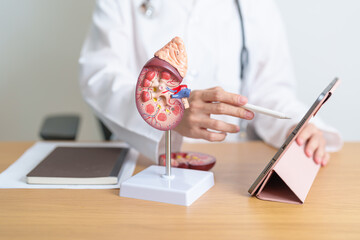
148 10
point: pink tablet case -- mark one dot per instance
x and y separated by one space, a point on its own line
290 180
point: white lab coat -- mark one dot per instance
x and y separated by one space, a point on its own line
122 39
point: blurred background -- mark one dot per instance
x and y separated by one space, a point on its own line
40 43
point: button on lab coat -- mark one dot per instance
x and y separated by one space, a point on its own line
122 39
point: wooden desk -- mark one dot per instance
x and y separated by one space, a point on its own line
331 210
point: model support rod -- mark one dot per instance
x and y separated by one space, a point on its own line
168 152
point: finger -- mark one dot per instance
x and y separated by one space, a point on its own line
320 152
226 109
211 136
325 160
305 134
313 143
221 126
217 94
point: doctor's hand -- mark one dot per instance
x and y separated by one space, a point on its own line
197 121
314 142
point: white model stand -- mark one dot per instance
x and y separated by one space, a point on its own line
177 186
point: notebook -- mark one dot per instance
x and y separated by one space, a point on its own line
290 173
79 165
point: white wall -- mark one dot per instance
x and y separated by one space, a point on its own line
40 42
39 49
324 38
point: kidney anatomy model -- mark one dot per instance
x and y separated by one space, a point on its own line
161 101
160 97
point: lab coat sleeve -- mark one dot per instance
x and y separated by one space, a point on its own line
108 78
273 85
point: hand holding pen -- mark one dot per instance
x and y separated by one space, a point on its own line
197 121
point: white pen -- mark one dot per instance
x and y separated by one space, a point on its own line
265 111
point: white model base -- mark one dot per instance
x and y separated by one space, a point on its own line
183 188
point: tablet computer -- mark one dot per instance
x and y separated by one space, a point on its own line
323 97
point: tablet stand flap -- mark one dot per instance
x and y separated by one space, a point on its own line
275 189
296 170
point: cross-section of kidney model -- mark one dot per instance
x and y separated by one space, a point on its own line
160 97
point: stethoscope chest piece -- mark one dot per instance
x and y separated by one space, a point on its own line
147 9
